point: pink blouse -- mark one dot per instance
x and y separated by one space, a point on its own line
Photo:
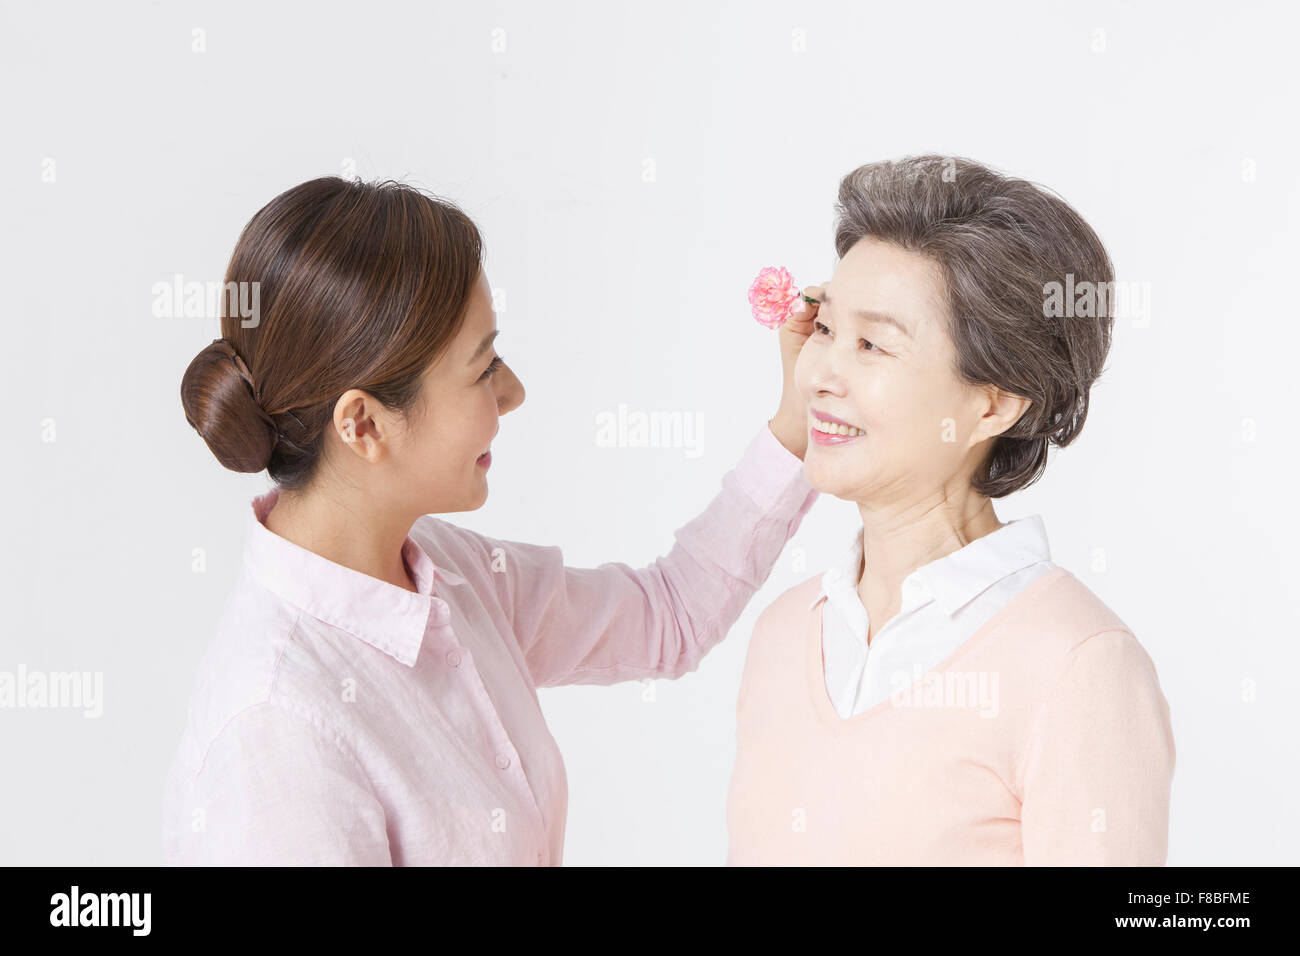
339 719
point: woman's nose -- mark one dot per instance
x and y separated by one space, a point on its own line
824 376
512 392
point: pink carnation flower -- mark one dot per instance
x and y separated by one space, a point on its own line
774 297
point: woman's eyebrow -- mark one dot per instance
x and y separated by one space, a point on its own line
868 315
482 347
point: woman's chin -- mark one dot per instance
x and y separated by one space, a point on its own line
827 478
478 498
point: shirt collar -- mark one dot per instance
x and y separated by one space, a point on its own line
385 616
955 579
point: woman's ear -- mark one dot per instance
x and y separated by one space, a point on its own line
361 425
1004 409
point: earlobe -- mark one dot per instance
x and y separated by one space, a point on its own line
359 444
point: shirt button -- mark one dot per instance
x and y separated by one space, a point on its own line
453 658
539 857
503 761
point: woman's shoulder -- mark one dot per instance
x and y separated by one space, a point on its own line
262 650
1057 622
1069 610
247 641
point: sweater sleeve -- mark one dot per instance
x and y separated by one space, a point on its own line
615 622
1100 761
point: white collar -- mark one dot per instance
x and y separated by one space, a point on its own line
955 579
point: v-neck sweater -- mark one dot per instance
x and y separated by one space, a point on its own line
1043 739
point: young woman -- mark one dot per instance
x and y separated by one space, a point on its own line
370 693
946 694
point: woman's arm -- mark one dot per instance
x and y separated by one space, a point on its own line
615 623
1100 761
275 789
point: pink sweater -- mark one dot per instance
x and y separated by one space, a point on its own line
1044 739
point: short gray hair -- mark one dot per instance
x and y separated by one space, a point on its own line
999 241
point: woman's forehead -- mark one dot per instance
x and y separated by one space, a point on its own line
879 277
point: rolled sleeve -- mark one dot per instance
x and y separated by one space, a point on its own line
277 789
1100 761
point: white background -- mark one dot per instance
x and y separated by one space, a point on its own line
1171 130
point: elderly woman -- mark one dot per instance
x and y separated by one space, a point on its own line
945 694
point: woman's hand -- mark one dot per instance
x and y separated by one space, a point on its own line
790 424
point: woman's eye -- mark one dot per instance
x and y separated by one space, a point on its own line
492 368
820 329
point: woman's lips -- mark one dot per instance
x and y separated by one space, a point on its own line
484 459
823 438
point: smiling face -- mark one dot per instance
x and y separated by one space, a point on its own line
922 428
465 391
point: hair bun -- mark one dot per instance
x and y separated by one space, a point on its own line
220 403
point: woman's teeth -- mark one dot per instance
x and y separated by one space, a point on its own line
831 428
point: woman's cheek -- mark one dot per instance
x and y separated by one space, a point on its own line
490 417
803 366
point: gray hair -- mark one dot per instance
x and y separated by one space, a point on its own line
1000 242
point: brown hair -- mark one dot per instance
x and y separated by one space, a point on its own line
999 242
360 285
